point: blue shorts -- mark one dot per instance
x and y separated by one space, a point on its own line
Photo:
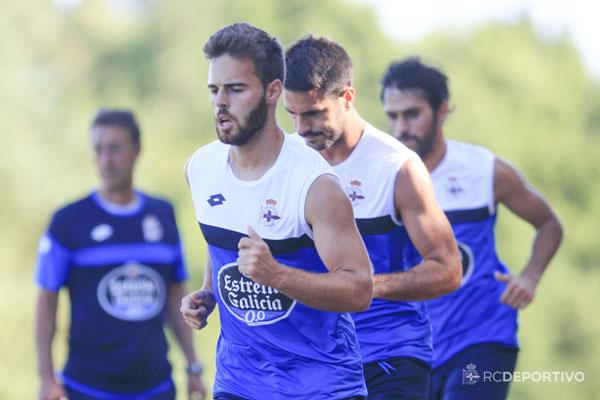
474 373
397 378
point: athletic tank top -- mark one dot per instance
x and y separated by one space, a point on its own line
388 328
464 186
271 346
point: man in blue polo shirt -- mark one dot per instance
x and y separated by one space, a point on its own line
117 252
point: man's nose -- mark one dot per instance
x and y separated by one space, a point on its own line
303 126
221 100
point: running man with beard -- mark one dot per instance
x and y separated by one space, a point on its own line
286 263
474 328
394 204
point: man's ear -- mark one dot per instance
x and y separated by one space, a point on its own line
442 111
273 91
348 95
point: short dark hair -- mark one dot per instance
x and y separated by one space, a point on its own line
317 63
411 73
243 40
120 118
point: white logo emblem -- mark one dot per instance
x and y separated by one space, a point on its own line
132 292
101 232
470 376
45 245
153 230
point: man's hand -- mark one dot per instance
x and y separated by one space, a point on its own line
196 388
52 390
196 307
256 261
519 291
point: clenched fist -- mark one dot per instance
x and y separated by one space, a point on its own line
196 307
256 261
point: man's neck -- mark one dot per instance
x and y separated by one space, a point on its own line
342 149
121 197
252 160
437 154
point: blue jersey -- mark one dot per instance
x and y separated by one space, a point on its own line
116 265
464 186
387 329
271 346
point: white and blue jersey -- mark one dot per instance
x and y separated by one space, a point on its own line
271 346
464 187
388 329
116 264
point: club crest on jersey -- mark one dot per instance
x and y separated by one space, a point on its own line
132 292
101 232
152 228
453 186
354 192
268 214
250 302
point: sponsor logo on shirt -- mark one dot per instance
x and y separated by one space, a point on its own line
467 260
216 199
132 292
250 302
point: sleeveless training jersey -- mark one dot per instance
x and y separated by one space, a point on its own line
271 346
464 186
116 264
388 328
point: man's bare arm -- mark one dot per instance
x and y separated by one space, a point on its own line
430 232
347 286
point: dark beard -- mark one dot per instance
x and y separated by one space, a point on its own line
424 146
255 121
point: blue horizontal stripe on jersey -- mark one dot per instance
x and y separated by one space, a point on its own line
149 253
375 226
106 395
472 215
228 240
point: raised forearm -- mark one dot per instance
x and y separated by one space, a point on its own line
182 332
337 291
425 281
44 333
546 242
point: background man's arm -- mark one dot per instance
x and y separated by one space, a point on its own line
44 335
440 271
183 334
511 189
